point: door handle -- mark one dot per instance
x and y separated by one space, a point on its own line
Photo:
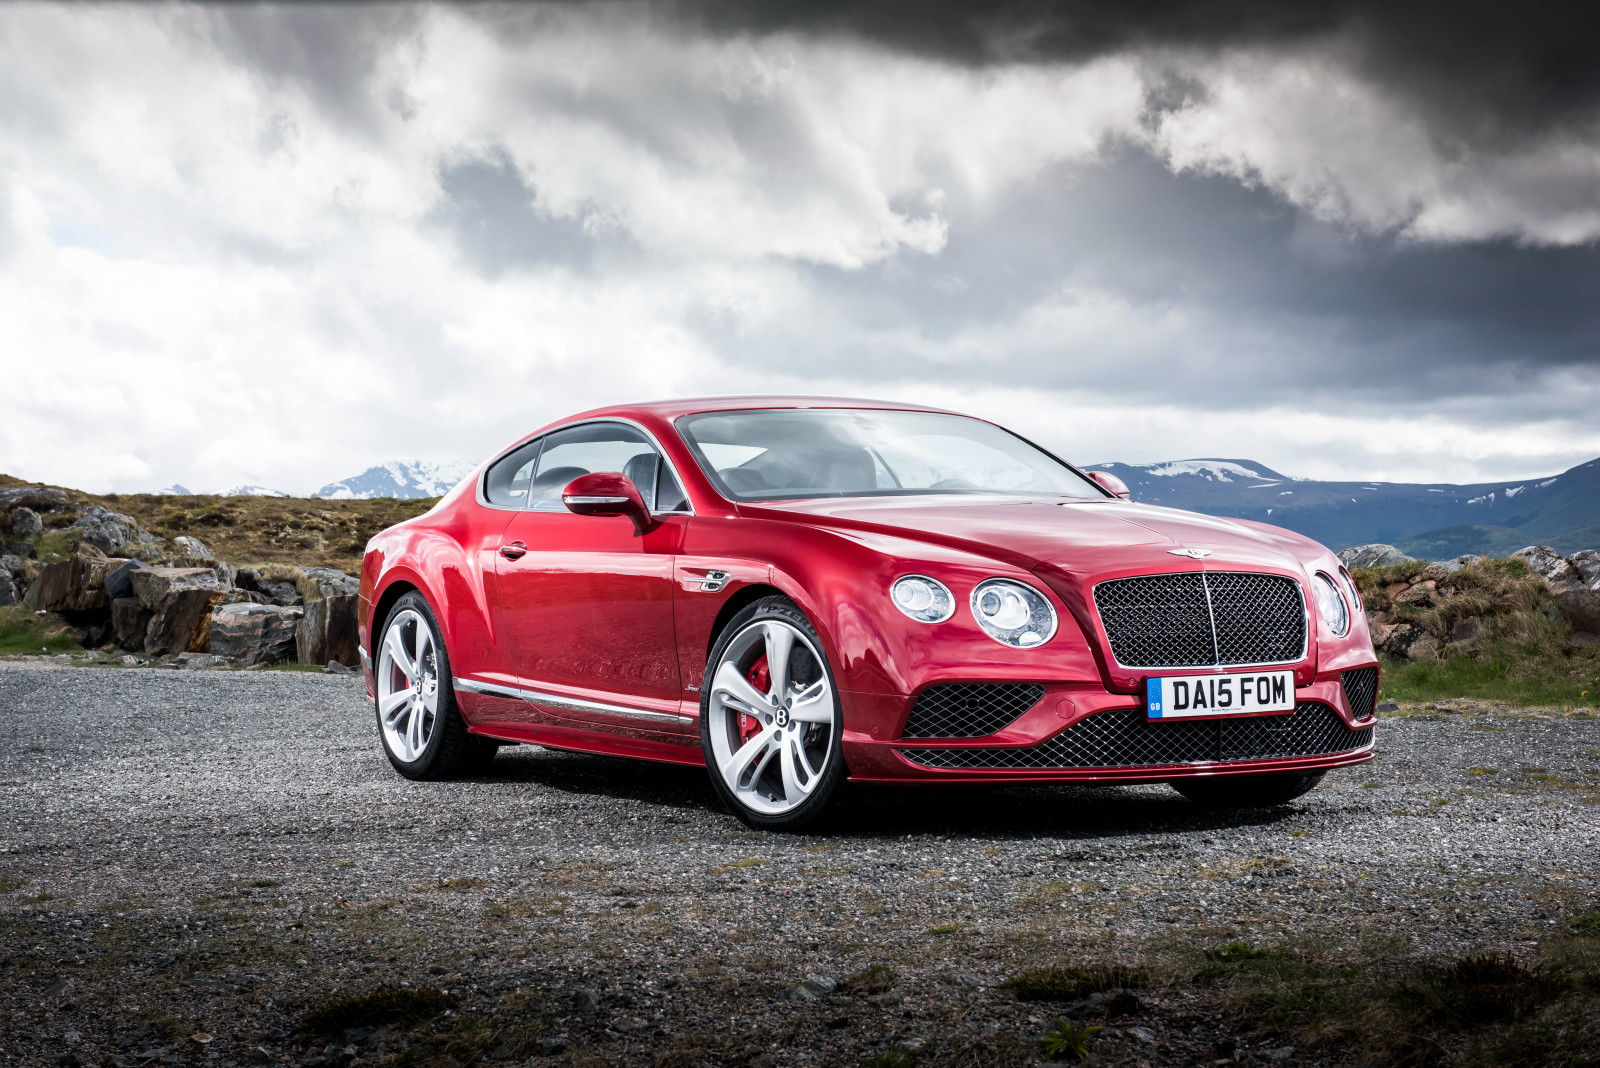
514 551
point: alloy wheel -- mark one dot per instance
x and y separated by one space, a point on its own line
408 686
771 714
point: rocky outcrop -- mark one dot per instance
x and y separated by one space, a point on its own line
327 632
25 523
16 571
255 633
37 497
8 589
179 600
1573 580
109 531
1375 555
191 548
270 591
129 621
79 583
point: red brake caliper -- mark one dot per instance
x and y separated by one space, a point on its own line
761 679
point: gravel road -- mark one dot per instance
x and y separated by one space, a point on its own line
192 860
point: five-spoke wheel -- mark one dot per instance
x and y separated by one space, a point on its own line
770 717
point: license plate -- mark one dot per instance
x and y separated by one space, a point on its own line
1180 696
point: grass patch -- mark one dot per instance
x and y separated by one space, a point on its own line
1059 983
1068 1041
1518 679
1480 989
23 631
386 1005
263 884
9 883
898 1058
874 979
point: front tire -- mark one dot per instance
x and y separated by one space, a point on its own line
420 726
770 721
1247 791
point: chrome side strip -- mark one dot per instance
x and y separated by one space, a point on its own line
538 697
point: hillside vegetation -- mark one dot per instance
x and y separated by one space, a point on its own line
298 531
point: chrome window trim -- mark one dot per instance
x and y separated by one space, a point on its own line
483 476
1305 612
539 697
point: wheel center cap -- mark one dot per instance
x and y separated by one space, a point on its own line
782 718
429 685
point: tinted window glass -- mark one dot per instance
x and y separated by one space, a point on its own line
582 450
773 454
507 481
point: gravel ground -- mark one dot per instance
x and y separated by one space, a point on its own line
191 860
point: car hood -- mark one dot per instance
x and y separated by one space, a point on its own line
1077 537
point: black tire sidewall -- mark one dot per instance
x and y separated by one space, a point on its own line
429 765
808 811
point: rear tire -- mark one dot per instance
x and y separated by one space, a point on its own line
1247 791
423 734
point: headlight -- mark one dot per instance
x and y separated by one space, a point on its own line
1330 604
922 598
1013 614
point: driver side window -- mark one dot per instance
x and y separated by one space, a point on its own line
582 450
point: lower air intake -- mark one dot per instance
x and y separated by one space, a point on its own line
1124 738
1361 690
969 709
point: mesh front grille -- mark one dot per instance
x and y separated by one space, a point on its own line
1124 738
1203 619
1361 690
970 709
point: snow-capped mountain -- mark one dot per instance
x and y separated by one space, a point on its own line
254 491
174 490
418 478
1435 521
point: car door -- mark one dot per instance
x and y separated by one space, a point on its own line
583 605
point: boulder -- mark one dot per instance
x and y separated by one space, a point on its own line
1422 594
21 548
31 497
328 629
119 580
1425 648
1545 562
129 620
1375 555
106 530
25 523
8 589
269 591
255 633
1574 581
1452 566
77 584
179 600
191 548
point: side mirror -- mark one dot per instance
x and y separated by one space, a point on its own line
1110 483
606 493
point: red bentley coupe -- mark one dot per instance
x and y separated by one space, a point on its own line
799 591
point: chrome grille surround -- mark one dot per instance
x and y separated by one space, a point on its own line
1361 691
1124 738
969 709
1203 619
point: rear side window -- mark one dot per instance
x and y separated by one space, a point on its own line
507 482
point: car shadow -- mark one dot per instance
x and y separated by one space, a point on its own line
875 812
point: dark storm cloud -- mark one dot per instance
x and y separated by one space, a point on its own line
1486 73
1290 307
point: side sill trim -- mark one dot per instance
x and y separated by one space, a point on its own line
538 697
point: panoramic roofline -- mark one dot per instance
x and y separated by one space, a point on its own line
674 409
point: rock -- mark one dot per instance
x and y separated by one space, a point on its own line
270 591
119 579
1420 594
77 584
23 549
129 618
1587 563
1395 638
1466 629
1450 567
1376 555
254 633
1545 562
8 589
31 497
1575 582
202 660
585 1002
1425 649
550 1045
180 602
1143 1034
335 668
814 986
1281 1055
191 548
1585 638
106 530
25 523
328 629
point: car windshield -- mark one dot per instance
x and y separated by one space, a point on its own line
790 453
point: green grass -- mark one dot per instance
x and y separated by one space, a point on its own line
21 631
9 883
1523 682
1068 1041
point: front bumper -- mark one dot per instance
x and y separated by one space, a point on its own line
1073 734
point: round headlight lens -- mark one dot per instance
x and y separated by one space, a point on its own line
1012 613
922 598
1330 604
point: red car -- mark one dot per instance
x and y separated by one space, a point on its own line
799 591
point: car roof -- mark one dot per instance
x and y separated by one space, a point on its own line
674 409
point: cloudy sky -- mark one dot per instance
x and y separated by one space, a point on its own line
279 244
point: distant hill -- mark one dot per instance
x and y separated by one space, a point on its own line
245 491
406 481
1431 521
